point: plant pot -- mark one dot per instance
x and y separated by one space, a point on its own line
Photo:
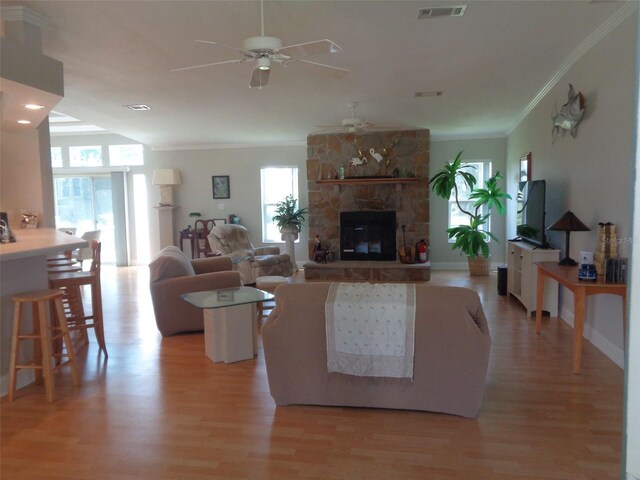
478 266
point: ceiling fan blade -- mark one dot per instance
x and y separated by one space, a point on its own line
182 69
259 78
237 49
335 72
311 48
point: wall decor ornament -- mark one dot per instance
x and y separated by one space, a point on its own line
525 167
221 188
570 115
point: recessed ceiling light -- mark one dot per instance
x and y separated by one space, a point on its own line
33 106
138 107
24 122
432 93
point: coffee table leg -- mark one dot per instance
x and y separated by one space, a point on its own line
229 333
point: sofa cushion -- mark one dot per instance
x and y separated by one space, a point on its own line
168 263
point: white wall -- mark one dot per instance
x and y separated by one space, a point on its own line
442 152
589 174
20 175
243 167
632 398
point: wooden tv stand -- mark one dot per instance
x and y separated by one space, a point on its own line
522 276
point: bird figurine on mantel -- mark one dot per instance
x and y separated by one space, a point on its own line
378 158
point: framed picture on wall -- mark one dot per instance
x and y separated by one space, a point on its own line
525 167
221 187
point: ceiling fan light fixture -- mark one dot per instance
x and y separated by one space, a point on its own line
264 64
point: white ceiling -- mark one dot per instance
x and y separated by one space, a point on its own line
490 64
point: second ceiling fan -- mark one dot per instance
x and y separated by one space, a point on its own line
265 51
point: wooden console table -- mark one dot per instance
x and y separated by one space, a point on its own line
568 277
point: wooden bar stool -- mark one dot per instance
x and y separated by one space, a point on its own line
45 331
70 284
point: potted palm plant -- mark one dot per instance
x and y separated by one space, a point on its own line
289 219
471 239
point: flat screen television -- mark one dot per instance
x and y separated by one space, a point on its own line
531 211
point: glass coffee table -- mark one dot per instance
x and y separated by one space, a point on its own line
230 321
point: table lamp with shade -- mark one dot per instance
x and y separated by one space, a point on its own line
166 178
568 223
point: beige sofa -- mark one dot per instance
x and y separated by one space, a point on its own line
452 344
173 274
233 240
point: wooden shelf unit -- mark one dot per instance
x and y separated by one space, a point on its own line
522 276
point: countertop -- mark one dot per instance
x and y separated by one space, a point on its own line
39 241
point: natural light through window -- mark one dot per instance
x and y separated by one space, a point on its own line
85 156
126 155
276 183
56 157
482 171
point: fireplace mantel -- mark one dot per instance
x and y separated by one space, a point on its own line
368 181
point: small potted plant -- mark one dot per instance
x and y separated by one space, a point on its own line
289 217
471 239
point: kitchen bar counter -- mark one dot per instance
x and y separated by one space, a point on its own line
39 241
23 267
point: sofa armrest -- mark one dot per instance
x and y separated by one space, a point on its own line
267 251
211 264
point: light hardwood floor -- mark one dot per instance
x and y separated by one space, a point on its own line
159 409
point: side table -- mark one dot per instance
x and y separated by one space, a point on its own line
230 321
191 236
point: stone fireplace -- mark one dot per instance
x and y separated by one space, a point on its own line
399 183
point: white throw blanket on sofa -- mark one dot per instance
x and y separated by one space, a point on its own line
370 329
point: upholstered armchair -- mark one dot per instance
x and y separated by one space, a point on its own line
173 274
233 241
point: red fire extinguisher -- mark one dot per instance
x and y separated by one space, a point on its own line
422 252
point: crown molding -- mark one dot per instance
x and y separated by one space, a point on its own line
21 13
602 31
225 146
444 137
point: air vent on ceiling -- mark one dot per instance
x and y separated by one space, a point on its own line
430 93
435 12
138 108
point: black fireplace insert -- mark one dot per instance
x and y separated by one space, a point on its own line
369 235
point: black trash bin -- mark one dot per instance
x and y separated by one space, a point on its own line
502 280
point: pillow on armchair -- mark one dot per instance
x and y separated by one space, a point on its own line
233 241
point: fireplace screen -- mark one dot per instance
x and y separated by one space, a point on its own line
368 235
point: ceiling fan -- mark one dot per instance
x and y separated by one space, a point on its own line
266 50
355 124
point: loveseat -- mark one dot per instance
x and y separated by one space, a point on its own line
451 354
173 274
233 241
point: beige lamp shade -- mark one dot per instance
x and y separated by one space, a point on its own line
166 178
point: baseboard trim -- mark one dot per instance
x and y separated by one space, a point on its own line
613 352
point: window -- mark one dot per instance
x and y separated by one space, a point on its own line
125 155
85 156
56 157
277 183
482 171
